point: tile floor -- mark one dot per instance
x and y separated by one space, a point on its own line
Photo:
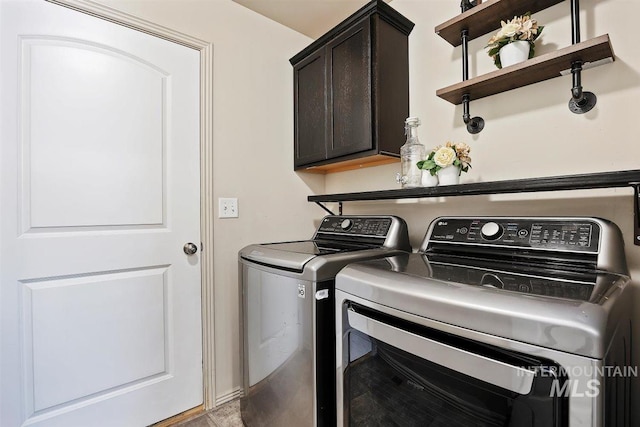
227 415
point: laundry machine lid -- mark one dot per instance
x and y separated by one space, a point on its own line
338 240
281 255
566 315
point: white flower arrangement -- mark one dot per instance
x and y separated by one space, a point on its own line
456 154
520 28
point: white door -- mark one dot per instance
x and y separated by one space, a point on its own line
99 192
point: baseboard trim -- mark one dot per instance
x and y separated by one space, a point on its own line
226 398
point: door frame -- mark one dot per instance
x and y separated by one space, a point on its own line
206 166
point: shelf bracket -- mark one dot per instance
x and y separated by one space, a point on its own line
580 101
475 124
328 210
636 213
468 4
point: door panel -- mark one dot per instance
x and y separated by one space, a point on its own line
86 364
91 163
99 186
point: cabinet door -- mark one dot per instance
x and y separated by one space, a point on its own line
311 109
349 78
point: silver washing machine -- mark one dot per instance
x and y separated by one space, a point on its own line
288 317
494 322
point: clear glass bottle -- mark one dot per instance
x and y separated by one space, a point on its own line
410 154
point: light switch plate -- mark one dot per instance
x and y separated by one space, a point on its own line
227 207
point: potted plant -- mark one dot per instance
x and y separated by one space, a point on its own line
447 162
515 41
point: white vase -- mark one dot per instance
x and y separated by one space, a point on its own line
449 175
514 52
429 180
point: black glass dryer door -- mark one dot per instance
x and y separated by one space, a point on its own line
402 374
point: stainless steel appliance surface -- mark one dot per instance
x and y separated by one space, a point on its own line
288 317
494 322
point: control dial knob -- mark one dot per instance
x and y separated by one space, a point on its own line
346 224
491 230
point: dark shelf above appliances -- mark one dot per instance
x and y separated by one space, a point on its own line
617 179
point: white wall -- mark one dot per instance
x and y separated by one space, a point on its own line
253 149
529 132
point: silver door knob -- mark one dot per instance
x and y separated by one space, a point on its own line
190 248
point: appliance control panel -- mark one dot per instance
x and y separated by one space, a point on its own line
580 235
356 226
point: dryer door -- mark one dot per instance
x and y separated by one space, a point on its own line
399 374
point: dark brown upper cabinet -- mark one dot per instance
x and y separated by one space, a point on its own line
351 90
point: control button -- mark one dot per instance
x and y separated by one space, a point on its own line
463 230
491 281
346 224
491 231
523 232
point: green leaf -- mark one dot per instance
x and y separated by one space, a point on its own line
429 164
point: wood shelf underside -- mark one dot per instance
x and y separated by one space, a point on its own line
347 165
486 17
592 52
552 183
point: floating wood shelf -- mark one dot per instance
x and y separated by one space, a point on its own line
486 17
617 179
544 67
